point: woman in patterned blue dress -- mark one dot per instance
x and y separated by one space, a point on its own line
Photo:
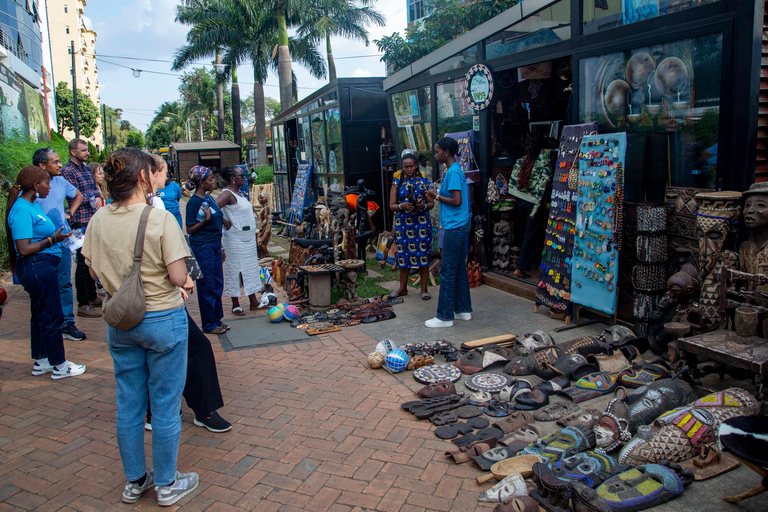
413 229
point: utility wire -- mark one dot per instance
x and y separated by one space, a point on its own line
209 64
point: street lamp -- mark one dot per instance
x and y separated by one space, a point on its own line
136 73
219 68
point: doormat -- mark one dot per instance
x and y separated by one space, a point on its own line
260 332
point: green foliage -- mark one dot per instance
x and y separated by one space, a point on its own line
135 140
88 114
16 152
271 106
264 174
93 153
447 21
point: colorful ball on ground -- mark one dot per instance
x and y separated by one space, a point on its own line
396 360
275 314
384 347
283 305
375 360
291 312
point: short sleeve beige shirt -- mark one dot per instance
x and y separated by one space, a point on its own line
108 249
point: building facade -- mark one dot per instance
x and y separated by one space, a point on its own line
68 24
22 93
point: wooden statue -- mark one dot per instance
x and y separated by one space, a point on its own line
753 254
265 230
715 219
502 239
679 304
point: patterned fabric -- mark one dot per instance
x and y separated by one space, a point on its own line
540 175
82 178
198 173
413 231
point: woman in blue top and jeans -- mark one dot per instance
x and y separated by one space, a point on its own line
205 241
454 300
34 256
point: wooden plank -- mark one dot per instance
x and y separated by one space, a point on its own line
490 341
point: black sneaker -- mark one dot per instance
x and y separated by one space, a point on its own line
214 423
71 332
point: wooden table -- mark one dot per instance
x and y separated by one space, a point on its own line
746 353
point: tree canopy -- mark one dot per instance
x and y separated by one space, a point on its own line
447 20
135 140
88 114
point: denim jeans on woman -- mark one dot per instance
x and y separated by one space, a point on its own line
65 286
454 281
211 286
38 275
150 360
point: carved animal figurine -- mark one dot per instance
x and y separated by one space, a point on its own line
265 230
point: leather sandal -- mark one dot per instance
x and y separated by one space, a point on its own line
536 399
439 388
497 409
554 385
424 412
510 392
431 401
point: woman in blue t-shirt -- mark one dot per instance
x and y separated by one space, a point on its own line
171 194
453 301
204 223
34 257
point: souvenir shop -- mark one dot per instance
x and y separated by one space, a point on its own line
335 135
617 104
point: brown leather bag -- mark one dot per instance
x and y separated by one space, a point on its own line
126 309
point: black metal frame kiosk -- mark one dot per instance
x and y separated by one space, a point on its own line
338 130
680 77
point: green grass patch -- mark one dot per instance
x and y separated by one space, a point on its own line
390 274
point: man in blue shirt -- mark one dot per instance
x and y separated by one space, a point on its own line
53 207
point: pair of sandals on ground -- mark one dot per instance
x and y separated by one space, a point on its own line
399 293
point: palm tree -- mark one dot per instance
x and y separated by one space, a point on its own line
246 31
345 18
190 12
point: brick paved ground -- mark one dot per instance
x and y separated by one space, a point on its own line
313 429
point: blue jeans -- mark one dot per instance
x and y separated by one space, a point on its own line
454 281
150 360
177 215
65 286
211 286
37 274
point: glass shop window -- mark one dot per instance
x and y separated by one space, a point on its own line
278 140
304 139
453 111
601 15
318 143
460 60
413 116
550 25
333 132
667 98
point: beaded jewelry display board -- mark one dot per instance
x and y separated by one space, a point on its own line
554 290
599 217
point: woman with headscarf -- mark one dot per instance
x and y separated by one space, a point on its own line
412 227
204 222
454 300
528 183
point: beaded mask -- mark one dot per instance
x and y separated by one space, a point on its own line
718 211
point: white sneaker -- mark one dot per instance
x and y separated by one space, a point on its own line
41 369
132 492
185 483
70 370
462 316
436 322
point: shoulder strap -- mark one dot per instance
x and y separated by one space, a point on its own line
139 249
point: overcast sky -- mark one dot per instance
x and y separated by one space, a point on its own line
146 29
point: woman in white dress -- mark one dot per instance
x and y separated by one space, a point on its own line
239 241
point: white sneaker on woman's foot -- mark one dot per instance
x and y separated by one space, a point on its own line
436 322
185 483
69 369
132 492
462 316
